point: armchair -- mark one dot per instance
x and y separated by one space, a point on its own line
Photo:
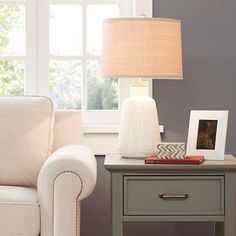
45 172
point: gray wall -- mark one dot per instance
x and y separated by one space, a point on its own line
209 53
209 63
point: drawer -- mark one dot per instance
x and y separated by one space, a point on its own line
173 195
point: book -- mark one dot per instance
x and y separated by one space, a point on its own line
186 160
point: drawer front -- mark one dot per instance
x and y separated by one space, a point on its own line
173 195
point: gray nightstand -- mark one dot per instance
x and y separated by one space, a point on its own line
149 193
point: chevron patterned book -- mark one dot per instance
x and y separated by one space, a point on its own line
171 150
186 160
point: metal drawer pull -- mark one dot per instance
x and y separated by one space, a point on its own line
182 196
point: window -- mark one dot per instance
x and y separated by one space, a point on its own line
75 32
12 49
53 47
59 54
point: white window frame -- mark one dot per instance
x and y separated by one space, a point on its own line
31 51
31 66
91 117
30 57
37 51
100 136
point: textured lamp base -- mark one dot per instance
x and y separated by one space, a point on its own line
139 127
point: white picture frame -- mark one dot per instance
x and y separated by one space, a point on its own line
207 134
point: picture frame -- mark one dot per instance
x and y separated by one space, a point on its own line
207 134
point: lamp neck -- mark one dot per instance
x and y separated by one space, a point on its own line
139 88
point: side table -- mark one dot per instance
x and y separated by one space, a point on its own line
187 193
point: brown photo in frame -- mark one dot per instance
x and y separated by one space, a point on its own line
207 134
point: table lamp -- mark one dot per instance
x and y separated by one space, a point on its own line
141 48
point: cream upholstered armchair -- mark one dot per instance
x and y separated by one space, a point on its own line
41 182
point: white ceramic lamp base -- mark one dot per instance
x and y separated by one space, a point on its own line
139 127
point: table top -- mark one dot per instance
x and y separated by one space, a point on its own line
114 162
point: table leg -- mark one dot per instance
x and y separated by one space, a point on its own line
219 229
230 204
117 204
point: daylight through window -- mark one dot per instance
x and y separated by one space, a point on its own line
71 60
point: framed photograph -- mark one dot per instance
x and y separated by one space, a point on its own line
207 134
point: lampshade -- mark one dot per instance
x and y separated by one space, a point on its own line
142 48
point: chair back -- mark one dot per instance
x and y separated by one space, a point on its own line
26 138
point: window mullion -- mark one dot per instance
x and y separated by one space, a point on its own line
91 57
19 2
100 2
126 9
31 48
59 57
6 58
84 61
144 7
43 47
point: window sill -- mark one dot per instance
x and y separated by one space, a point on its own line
106 129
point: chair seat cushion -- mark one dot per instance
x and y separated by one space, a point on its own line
26 125
19 211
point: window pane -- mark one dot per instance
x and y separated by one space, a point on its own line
12 30
66 84
102 93
95 17
11 78
66 30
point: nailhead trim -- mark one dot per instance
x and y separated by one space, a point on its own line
71 172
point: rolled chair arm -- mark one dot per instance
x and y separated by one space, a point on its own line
67 176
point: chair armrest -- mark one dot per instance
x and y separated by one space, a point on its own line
72 158
67 176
